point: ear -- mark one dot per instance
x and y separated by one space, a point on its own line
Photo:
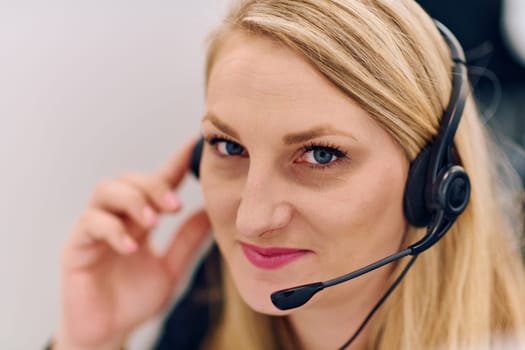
196 157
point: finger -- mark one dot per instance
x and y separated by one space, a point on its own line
186 243
93 233
175 168
155 189
121 198
97 225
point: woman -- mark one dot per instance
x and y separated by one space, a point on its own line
315 110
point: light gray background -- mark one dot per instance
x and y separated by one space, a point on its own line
88 89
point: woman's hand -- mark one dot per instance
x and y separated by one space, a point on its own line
111 279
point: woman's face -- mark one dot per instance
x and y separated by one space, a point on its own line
300 183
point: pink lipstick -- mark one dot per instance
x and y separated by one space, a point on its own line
272 257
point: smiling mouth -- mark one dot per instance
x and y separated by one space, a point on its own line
272 257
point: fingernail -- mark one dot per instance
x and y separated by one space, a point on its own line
149 216
129 244
171 200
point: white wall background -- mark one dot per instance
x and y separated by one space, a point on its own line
88 89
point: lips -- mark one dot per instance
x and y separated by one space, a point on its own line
272 257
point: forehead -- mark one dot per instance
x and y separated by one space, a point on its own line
257 82
250 63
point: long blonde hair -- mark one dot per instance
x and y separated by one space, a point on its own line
388 56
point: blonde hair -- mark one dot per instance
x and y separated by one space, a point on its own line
388 56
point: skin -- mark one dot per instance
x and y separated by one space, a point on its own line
346 213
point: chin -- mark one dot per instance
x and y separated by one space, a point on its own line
259 300
256 294
255 285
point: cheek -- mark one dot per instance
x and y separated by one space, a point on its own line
382 211
221 199
363 221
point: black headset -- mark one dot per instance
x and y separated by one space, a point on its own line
438 188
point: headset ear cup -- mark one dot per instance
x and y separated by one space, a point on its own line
453 191
196 157
414 203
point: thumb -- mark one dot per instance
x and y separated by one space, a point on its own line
186 243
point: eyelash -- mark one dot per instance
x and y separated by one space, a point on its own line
214 139
331 148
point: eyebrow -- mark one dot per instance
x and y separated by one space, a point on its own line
225 128
313 133
288 139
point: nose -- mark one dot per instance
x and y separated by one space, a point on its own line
263 208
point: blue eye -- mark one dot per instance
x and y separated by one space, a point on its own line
320 155
228 148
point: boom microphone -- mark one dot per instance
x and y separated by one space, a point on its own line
297 296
